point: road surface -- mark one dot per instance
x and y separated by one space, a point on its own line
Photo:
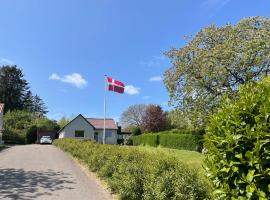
45 172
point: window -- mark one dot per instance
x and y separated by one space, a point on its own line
108 134
79 133
96 136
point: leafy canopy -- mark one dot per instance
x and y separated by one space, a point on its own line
238 143
216 61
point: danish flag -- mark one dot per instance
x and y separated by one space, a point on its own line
116 86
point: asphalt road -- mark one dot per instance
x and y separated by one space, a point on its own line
45 172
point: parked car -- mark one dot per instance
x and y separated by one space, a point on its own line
46 140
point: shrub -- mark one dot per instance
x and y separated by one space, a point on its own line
175 139
150 139
136 131
238 143
180 141
138 175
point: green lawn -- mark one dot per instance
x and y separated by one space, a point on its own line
191 158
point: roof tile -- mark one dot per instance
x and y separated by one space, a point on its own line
98 123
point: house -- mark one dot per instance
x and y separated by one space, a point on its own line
90 128
1 121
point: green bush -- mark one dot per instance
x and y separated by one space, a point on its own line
175 139
180 141
136 131
136 175
150 139
238 143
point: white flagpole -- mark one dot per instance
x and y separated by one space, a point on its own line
104 127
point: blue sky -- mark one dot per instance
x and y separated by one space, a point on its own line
65 47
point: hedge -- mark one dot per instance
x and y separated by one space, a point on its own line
169 139
238 143
138 175
146 139
181 141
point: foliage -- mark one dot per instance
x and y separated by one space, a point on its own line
238 143
136 131
155 119
15 126
15 92
63 121
150 139
21 127
137 174
217 61
178 120
181 141
133 116
175 139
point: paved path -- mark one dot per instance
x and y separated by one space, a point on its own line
45 172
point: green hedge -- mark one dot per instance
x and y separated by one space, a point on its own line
137 174
175 139
12 137
146 139
181 141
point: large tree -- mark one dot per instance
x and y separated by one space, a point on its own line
216 61
15 92
155 119
12 88
133 116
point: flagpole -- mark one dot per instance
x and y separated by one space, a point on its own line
105 108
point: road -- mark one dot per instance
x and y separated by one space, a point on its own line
45 172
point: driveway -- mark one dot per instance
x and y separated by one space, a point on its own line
45 172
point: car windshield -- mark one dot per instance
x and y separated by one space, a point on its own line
46 137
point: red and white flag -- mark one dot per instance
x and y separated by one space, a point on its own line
115 85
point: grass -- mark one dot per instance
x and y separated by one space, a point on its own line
191 158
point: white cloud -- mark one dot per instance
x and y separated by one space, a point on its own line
74 79
155 78
6 61
130 89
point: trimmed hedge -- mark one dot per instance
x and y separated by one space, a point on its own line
146 139
175 139
138 175
181 141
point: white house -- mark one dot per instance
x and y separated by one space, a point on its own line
1 120
90 128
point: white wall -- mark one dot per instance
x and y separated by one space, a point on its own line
111 140
79 124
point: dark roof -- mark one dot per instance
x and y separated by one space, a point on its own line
1 107
98 123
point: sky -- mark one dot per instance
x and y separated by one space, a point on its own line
65 47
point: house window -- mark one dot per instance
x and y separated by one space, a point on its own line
79 133
108 134
96 136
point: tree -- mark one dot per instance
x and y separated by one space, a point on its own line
12 87
154 119
177 119
15 92
217 61
133 116
63 121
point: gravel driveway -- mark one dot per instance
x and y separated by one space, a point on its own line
45 172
